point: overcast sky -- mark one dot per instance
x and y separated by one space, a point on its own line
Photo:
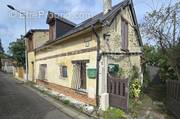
12 24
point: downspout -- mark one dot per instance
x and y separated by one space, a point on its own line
97 65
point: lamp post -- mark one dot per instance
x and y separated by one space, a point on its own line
26 56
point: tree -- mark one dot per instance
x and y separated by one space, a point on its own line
1 48
1 53
17 51
162 26
155 57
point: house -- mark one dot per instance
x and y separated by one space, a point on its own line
7 65
77 59
35 38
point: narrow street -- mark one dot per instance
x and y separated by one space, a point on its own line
18 102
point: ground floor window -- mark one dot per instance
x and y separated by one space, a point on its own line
79 75
63 71
42 72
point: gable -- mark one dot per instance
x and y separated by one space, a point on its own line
128 13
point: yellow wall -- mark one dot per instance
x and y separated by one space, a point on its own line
39 38
53 74
31 59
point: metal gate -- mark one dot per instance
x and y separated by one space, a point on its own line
118 90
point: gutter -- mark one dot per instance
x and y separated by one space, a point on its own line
97 65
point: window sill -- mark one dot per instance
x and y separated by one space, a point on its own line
125 50
81 91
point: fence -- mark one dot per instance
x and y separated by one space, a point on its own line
173 97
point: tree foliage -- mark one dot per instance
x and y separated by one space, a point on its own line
162 27
155 57
1 48
1 53
17 51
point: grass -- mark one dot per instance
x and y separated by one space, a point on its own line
114 113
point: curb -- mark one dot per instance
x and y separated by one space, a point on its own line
71 112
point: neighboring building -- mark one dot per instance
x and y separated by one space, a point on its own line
35 38
77 59
7 65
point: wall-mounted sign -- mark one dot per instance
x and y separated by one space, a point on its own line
91 73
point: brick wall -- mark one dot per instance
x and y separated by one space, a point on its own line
68 92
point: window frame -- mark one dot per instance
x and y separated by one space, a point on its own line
62 70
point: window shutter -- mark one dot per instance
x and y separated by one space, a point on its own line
124 34
61 71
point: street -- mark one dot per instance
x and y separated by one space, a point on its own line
18 102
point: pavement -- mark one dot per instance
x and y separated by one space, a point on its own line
19 102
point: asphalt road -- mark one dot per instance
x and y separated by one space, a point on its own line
18 102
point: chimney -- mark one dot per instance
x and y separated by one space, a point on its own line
107 6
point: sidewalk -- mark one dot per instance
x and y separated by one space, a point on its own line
74 114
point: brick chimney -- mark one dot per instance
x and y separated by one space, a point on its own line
107 6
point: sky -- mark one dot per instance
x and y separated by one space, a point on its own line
12 23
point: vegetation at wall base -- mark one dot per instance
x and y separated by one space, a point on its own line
114 113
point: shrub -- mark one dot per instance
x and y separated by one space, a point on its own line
66 102
135 83
114 113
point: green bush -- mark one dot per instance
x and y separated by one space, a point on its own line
135 83
66 102
114 113
135 89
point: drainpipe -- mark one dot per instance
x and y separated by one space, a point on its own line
97 65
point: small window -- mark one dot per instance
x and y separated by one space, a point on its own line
87 42
63 71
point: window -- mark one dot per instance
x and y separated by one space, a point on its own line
42 71
87 42
63 71
124 34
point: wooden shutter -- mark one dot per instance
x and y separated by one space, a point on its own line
60 71
124 34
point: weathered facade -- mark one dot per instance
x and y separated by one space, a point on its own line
76 62
7 65
35 38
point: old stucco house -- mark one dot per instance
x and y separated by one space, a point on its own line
35 38
77 58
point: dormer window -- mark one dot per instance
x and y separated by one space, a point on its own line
58 26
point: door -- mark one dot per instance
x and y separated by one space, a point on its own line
32 63
118 92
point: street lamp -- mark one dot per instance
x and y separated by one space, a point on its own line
26 57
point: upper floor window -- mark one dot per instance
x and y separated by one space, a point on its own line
124 34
